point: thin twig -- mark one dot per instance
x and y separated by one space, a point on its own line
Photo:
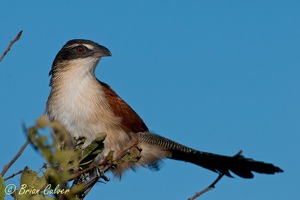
10 45
211 186
13 175
7 166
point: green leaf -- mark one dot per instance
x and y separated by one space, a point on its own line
94 149
22 195
2 188
42 122
62 158
77 189
19 195
52 176
31 180
41 197
109 157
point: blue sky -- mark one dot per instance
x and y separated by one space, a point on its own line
217 76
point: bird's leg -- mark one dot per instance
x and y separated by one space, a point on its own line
100 174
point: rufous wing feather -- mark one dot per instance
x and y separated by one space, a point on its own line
130 120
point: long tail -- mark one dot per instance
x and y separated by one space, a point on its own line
238 164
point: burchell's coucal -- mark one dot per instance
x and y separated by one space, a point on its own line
86 107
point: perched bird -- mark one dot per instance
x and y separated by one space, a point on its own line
86 106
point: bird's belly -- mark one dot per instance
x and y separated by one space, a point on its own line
77 126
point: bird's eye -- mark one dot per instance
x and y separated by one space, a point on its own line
80 49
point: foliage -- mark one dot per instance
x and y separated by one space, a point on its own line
69 171
65 163
2 188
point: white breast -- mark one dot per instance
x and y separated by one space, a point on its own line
78 103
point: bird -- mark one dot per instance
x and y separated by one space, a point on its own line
86 106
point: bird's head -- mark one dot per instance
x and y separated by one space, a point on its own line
78 53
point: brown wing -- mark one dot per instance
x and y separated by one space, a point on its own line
131 121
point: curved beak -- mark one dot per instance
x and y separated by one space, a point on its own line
101 52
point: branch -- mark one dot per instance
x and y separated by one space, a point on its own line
7 166
105 166
10 45
211 186
13 175
101 168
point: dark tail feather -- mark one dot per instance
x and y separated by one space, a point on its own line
238 164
